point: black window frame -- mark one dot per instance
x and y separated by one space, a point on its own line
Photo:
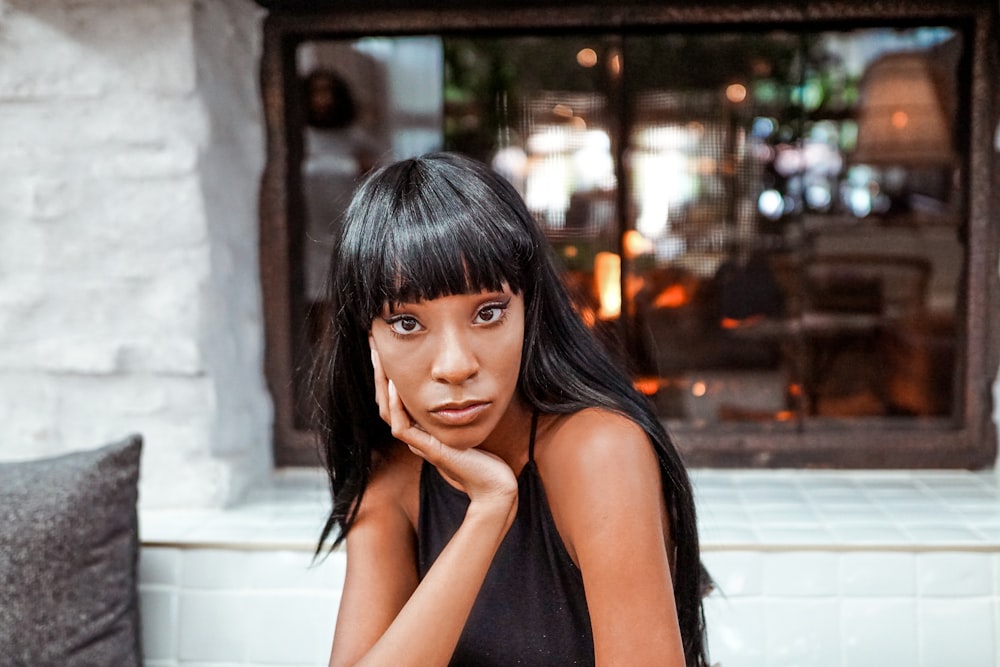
968 440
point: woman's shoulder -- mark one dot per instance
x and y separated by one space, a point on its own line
594 436
598 468
594 448
395 482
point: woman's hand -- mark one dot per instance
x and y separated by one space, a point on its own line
485 478
385 606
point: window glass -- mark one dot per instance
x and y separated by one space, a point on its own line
764 226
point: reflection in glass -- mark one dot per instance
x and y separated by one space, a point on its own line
365 102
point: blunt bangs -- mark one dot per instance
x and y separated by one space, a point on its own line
429 228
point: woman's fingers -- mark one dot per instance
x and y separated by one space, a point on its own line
399 418
404 428
481 474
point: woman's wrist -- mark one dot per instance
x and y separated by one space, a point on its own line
496 510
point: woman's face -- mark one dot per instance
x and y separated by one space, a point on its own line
455 361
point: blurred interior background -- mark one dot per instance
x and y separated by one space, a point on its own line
766 226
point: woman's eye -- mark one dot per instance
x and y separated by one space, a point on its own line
404 325
489 314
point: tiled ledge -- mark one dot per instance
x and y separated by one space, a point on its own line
848 511
285 515
738 511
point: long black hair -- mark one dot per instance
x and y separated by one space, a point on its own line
444 224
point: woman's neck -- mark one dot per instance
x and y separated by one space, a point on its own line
510 439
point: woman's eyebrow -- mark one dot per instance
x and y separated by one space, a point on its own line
392 307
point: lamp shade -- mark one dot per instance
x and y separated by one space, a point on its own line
901 119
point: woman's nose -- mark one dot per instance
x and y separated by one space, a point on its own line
455 360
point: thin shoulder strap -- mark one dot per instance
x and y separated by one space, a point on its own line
531 441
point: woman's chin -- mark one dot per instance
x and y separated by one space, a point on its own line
461 440
465 437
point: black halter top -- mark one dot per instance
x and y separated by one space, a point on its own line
531 609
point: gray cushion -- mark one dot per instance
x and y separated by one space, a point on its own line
68 559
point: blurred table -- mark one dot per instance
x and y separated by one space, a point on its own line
811 343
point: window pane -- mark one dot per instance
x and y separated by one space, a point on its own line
700 259
797 224
545 112
769 239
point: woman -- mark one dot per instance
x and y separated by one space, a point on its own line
508 497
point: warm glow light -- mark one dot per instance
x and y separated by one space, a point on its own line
635 244
705 165
570 251
562 111
698 389
673 296
736 92
647 386
586 57
615 65
904 116
733 323
608 276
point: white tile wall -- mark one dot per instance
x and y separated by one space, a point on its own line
812 570
879 631
878 574
956 631
215 606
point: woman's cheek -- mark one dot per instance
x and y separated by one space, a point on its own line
402 375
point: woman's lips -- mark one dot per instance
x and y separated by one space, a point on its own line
459 415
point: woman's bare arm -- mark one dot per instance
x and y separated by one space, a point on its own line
389 619
386 617
381 565
603 483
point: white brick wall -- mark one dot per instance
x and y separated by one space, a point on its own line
130 155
